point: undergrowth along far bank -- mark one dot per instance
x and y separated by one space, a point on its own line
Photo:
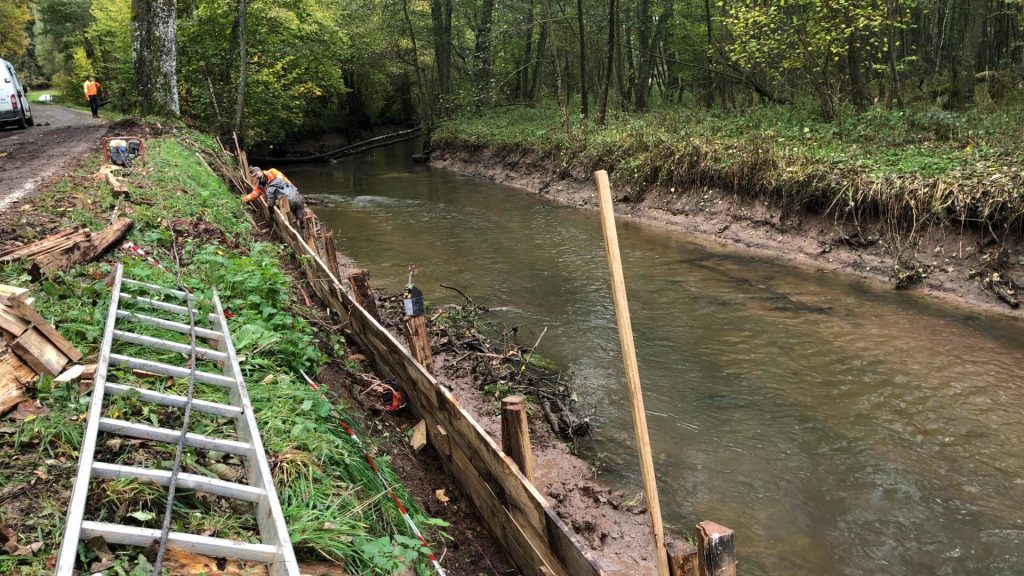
904 166
334 505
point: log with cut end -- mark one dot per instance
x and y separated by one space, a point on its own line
86 250
14 377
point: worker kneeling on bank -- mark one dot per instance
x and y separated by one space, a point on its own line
273 184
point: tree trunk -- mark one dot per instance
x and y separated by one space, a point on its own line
524 73
602 107
428 110
709 87
441 16
483 41
584 104
643 80
243 68
538 68
563 104
853 64
963 86
155 56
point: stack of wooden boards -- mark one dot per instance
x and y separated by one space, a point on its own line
29 347
69 246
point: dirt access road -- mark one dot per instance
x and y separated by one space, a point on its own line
28 158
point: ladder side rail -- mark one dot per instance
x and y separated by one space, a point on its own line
269 515
76 510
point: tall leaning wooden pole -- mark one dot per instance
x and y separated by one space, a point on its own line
636 398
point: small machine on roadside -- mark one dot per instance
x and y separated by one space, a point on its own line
122 150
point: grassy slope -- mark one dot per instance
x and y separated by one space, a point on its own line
335 507
913 165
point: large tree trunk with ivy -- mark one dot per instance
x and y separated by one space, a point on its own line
154 33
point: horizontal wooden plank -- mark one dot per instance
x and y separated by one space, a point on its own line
36 350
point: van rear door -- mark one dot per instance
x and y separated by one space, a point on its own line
8 88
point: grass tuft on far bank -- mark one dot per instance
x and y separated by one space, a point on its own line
908 165
335 507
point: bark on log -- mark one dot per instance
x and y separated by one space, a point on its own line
360 281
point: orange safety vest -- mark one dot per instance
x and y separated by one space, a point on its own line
91 88
258 189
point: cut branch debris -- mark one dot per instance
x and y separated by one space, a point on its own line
69 246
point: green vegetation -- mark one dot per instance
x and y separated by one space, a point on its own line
918 164
334 505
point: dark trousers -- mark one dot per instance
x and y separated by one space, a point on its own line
94 104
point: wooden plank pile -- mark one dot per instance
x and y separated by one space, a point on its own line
69 246
29 347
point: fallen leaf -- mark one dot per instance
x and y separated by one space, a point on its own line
41 474
439 494
142 516
100 566
99 546
29 550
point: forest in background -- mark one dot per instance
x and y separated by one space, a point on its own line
322 65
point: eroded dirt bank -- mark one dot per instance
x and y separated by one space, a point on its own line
980 270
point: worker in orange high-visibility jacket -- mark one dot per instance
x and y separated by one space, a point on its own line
273 184
92 94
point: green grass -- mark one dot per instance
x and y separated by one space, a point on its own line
334 504
898 164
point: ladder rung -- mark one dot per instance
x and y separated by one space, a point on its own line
146 432
217 547
202 353
158 289
185 480
173 400
160 305
167 324
175 371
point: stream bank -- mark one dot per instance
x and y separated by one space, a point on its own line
964 267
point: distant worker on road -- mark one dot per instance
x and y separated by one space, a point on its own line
92 94
273 184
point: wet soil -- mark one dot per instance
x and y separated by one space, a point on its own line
965 267
33 158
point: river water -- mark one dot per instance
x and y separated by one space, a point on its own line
837 428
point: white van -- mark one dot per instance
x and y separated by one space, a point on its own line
14 107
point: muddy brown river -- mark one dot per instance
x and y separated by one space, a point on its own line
839 429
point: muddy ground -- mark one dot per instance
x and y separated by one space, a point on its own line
33 158
980 270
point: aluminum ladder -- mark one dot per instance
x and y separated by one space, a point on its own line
275 547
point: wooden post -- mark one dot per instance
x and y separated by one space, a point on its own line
717 550
309 231
683 558
643 441
515 434
419 341
360 281
285 210
331 251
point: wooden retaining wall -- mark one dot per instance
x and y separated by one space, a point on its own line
532 535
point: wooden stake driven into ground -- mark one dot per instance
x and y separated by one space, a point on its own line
643 442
